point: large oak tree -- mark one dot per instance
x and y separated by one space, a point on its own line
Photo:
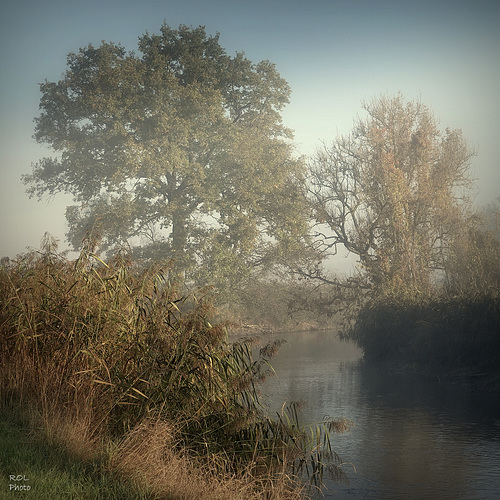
179 152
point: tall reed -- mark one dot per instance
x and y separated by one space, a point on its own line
118 347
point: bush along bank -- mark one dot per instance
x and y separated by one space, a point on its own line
455 337
126 358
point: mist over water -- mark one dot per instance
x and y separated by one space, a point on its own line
413 438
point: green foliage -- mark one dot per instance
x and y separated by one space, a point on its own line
172 151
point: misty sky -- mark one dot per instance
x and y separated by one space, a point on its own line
333 53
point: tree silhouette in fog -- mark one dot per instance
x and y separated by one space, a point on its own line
393 192
179 151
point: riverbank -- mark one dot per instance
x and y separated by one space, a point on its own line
447 338
139 380
270 329
56 458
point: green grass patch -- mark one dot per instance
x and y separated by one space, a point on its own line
33 467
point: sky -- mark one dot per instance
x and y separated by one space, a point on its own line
335 54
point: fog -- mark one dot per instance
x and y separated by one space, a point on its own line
334 55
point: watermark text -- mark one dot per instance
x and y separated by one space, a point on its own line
17 482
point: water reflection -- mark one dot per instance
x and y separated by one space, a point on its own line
413 438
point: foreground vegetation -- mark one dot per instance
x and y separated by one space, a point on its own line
50 470
139 383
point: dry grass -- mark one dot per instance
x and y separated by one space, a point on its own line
146 455
102 353
150 460
72 432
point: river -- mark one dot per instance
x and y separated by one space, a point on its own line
413 438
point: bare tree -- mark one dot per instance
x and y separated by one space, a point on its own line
391 192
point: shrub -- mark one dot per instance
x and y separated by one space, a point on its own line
443 333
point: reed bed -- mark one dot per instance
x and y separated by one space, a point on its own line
120 354
442 334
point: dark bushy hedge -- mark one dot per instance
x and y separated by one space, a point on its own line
440 333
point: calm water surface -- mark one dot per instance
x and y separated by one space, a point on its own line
413 438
